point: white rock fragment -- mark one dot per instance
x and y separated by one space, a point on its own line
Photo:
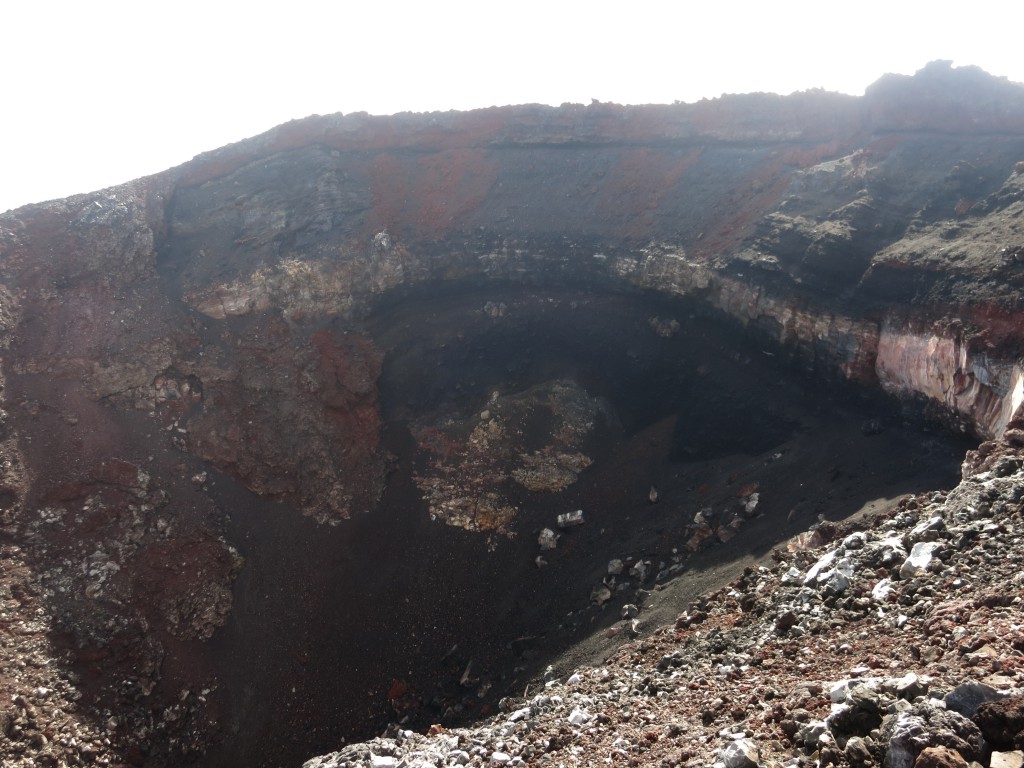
910 686
570 519
882 590
792 576
831 572
547 539
811 733
855 541
1014 759
579 717
890 549
824 563
926 529
519 714
919 560
750 503
838 692
742 753
838 579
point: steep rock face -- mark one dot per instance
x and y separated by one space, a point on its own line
812 218
218 317
292 416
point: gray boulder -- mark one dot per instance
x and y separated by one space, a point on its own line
906 735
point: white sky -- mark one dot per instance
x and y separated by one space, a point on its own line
96 93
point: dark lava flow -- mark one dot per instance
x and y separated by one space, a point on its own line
393 617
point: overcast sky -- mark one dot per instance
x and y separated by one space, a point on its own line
96 93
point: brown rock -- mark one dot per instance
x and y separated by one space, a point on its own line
1002 722
940 757
786 621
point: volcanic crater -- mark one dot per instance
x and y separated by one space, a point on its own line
371 420
431 611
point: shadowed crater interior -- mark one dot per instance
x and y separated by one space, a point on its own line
683 440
